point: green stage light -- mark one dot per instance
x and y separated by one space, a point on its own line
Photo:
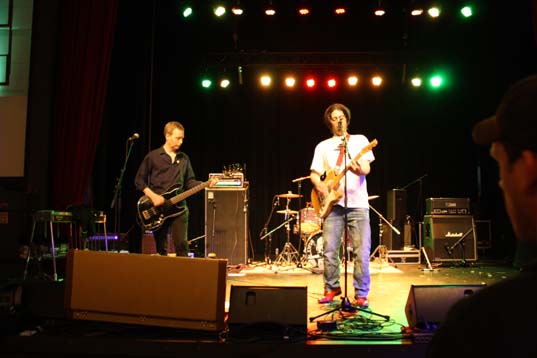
437 81
467 11
206 83
187 12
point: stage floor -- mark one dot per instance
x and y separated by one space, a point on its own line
383 328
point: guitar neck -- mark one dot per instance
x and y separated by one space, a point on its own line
188 192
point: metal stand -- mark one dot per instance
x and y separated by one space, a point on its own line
264 232
382 249
429 266
289 255
116 200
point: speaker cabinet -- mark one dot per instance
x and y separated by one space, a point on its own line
395 212
146 290
226 223
396 204
427 305
449 238
267 305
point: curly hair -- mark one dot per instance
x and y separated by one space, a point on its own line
332 108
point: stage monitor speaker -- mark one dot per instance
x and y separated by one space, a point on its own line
449 238
226 224
146 290
258 306
427 305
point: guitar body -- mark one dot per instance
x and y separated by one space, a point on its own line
152 217
322 205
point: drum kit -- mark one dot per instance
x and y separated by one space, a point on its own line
309 228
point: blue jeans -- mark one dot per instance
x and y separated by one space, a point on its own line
359 231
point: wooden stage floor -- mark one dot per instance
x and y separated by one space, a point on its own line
334 328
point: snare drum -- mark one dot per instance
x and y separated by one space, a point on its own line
309 221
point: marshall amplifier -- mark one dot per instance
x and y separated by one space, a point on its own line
449 238
447 206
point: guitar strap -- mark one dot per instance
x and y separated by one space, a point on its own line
341 152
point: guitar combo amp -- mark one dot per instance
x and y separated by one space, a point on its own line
226 222
449 230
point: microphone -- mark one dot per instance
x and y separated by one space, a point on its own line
134 137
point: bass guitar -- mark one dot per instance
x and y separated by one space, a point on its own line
151 217
323 205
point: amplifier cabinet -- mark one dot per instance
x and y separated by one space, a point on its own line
447 206
449 237
177 292
226 224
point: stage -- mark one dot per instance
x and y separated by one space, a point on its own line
39 324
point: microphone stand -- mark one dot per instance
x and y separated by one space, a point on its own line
116 200
345 303
420 194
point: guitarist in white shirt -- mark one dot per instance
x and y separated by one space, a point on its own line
164 175
328 198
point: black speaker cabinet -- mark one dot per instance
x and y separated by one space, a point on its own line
449 238
427 305
268 305
177 292
396 204
226 223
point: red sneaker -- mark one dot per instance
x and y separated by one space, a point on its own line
360 302
329 295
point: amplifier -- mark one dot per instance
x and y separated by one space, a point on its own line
447 206
449 237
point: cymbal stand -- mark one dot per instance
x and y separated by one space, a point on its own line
299 181
289 254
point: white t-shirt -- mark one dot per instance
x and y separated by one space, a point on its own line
325 158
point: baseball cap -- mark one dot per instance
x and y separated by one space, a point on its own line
515 121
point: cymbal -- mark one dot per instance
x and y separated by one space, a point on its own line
289 196
372 197
289 212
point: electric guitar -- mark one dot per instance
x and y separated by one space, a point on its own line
323 205
152 217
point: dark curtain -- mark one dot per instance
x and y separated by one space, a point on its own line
87 37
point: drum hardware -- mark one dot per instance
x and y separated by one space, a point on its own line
266 234
289 195
289 254
287 212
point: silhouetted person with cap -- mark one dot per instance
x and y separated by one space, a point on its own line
499 320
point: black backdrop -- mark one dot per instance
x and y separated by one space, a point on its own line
158 57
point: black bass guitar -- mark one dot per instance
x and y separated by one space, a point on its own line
151 217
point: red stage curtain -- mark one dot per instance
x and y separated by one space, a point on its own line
85 48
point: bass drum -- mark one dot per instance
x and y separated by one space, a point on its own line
313 250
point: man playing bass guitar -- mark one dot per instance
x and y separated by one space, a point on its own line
166 178
328 173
